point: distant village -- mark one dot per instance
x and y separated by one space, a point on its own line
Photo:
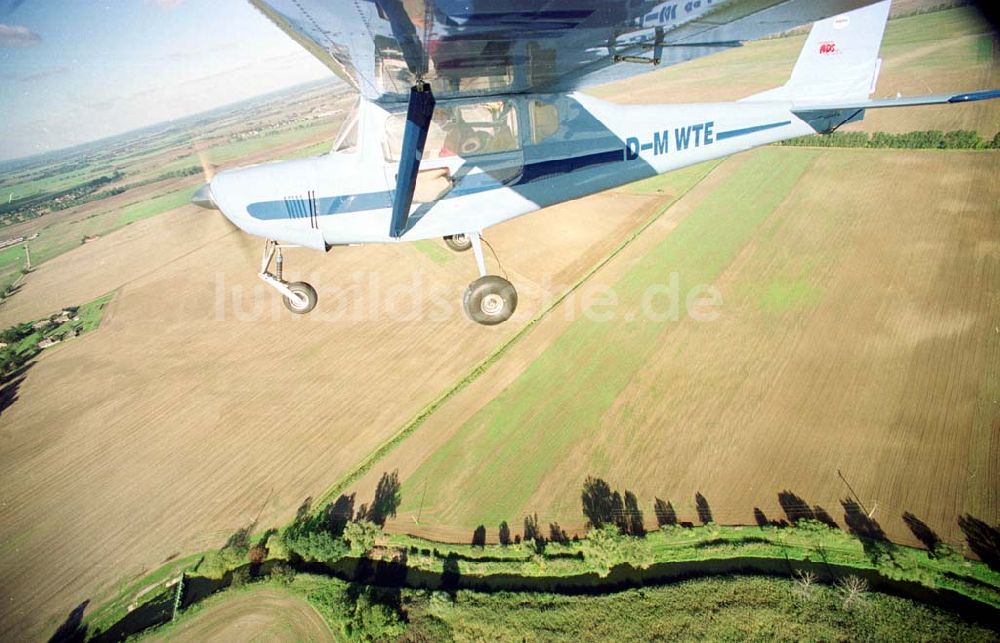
296 121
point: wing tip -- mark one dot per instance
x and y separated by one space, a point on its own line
968 97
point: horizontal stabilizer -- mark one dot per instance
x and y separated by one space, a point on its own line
826 117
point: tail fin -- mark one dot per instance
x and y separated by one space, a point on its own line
840 59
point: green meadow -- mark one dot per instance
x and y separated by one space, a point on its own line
498 459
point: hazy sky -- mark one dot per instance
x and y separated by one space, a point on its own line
73 71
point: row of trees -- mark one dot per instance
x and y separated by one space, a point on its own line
325 535
338 529
929 139
603 507
12 359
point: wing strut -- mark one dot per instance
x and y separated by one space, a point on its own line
418 121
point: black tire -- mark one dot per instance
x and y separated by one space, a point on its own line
305 291
458 242
490 300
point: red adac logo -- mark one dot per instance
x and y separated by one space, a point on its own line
827 47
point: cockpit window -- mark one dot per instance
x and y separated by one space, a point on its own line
544 120
465 130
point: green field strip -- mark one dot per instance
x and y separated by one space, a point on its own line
433 251
12 256
152 207
931 27
499 458
316 149
684 181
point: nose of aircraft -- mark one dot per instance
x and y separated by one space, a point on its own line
203 197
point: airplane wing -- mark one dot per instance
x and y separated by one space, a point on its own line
485 47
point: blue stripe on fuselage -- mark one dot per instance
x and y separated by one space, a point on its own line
721 136
270 210
531 172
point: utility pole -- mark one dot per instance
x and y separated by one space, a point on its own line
178 595
856 498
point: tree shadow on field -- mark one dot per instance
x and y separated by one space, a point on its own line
603 505
665 513
598 502
922 531
634 524
796 509
503 533
240 539
10 384
479 536
701 506
760 518
873 539
532 532
824 517
339 513
73 629
386 500
557 534
983 539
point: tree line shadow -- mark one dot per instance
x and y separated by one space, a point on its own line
337 514
73 629
602 505
10 385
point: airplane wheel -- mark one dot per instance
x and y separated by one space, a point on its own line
305 298
458 242
490 300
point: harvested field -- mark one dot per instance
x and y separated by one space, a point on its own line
202 404
857 334
266 614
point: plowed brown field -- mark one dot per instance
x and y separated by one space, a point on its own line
188 415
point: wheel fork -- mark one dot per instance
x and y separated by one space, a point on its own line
272 252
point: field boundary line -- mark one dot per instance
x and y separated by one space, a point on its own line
418 420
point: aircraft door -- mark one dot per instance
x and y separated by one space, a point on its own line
471 146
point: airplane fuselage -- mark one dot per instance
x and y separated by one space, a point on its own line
558 147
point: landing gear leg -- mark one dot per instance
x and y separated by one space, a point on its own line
489 300
298 296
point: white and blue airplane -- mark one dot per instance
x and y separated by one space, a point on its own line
469 114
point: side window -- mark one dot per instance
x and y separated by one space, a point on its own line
544 120
482 128
465 130
347 137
